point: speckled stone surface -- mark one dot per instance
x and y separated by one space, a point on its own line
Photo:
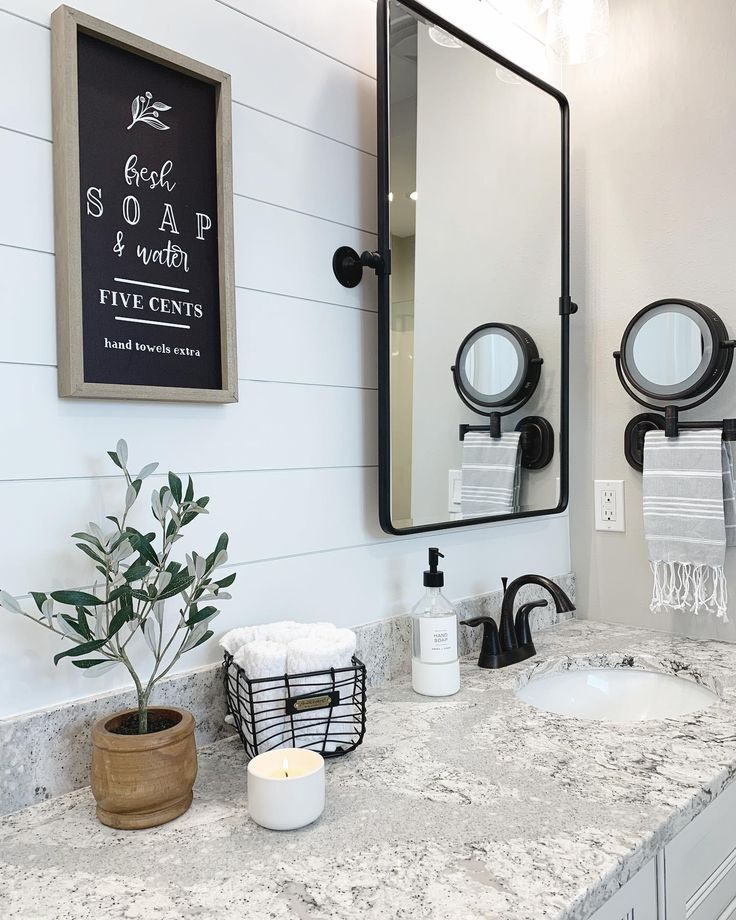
47 753
477 806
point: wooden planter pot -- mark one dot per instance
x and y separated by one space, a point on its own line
143 780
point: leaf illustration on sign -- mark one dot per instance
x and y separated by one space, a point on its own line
144 109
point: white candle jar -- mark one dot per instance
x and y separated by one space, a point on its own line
286 788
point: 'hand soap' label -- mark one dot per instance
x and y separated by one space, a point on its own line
438 639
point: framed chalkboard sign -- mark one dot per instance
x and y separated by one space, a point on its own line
143 218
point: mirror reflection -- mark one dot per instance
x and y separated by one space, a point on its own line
475 225
668 347
491 365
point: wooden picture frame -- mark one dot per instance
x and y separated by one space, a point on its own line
73 271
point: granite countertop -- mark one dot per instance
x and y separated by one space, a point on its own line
476 806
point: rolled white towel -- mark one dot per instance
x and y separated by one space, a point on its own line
262 658
237 638
319 652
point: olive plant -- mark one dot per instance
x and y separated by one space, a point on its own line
138 577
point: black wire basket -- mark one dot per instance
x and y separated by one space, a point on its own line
320 710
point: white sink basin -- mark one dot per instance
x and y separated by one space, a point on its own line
615 694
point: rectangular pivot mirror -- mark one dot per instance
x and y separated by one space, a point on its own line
474 312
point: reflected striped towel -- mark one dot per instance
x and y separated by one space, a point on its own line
491 474
684 519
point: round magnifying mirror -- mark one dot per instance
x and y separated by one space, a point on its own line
496 364
672 349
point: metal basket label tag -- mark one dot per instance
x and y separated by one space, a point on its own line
312 701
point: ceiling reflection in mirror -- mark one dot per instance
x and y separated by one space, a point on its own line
475 238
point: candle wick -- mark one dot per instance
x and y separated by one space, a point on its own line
286 774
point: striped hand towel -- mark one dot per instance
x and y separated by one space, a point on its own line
729 491
491 474
684 520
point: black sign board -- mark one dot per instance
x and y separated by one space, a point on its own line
144 218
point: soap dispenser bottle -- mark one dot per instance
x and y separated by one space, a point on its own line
435 666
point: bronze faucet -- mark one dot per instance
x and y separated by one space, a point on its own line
511 642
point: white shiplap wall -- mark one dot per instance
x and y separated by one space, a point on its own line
291 468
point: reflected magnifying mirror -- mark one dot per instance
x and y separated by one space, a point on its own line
497 365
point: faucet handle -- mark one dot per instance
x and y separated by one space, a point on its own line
521 624
491 646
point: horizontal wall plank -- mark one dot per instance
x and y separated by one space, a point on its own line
286 253
276 250
276 162
26 192
270 71
344 29
27 295
267 514
287 338
348 586
273 426
279 338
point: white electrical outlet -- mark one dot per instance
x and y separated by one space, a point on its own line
609 505
454 491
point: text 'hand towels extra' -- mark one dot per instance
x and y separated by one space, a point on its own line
491 474
686 481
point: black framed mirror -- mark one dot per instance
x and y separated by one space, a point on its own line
473 234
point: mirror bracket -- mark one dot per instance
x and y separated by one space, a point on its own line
567 306
348 266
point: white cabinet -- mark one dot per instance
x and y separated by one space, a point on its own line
636 900
700 865
695 877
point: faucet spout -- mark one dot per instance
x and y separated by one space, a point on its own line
508 635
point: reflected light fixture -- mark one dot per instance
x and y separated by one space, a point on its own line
413 196
577 30
440 37
390 196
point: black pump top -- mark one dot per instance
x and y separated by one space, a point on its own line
433 578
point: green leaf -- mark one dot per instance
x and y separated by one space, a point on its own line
115 459
39 598
90 662
190 491
77 598
116 522
221 543
88 538
140 595
175 486
143 546
117 622
82 649
137 571
227 581
205 637
178 583
83 613
137 483
89 552
70 621
198 615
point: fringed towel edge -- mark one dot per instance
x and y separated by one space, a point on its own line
693 588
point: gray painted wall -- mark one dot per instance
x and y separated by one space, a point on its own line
654 215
